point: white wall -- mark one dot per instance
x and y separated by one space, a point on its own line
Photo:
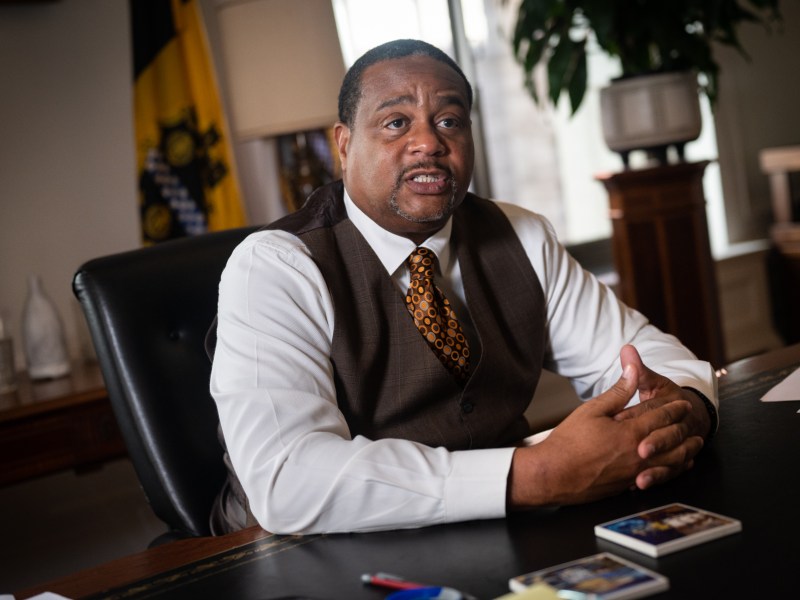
759 107
67 183
67 163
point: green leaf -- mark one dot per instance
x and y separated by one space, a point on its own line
534 55
558 66
577 83
646 35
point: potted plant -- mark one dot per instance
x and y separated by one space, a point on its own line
662 45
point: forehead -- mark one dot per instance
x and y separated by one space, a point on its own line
410 77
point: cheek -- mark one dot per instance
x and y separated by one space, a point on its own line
466 159
376 167
466 151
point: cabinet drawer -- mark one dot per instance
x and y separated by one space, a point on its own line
74 437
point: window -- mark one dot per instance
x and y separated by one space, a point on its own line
540 158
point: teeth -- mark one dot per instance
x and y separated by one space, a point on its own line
426 178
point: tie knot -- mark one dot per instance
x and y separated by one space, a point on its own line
420 263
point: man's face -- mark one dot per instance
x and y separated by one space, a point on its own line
407 159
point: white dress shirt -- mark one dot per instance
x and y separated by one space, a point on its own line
272 380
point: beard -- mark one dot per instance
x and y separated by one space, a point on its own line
446 210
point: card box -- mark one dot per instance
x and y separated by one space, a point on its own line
603 576
667 529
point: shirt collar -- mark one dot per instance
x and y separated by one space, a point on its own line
392 249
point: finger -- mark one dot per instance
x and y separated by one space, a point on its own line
649 381
629 358
663 440
669 465
618 395
658 475
637 410
664 415
629 355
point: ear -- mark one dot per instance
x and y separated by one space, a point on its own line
341 134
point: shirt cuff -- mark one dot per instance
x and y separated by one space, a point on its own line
476 485
713 415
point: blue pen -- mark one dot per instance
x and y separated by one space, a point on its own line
430 593
410 590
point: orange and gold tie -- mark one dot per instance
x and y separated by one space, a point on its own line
433 316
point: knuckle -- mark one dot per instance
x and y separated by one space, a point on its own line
684 454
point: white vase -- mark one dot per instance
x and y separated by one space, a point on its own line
43 335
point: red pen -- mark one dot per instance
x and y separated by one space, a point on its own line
390 581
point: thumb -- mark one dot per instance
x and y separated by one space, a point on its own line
614 399
647 380
629 355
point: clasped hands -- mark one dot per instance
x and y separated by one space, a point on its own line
603 448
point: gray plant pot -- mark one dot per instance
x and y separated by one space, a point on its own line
651 113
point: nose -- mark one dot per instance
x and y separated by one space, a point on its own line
426 139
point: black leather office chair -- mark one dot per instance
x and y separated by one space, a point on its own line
148 312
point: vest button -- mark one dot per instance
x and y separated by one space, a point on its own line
467 407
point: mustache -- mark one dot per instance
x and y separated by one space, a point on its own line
425 165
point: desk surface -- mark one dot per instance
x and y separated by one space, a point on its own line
750 471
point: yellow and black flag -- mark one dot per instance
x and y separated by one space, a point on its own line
186 182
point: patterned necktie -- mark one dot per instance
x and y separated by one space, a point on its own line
433 316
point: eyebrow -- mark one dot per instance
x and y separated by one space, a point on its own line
408 99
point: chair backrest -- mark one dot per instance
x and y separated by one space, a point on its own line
148 312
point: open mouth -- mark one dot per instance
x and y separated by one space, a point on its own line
429 182
426 178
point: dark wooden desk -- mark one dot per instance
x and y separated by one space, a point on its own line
64 423
750 472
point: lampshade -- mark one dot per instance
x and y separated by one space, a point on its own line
283 65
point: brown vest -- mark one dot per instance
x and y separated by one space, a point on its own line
388 381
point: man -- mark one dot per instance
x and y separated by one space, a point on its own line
343 409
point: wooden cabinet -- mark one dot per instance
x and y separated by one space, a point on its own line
64 423
662 252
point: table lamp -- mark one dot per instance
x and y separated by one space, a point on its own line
283 67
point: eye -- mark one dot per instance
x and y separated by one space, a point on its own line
449 123
396 124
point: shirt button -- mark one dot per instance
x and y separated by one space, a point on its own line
467 407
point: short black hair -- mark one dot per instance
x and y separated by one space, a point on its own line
350 92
